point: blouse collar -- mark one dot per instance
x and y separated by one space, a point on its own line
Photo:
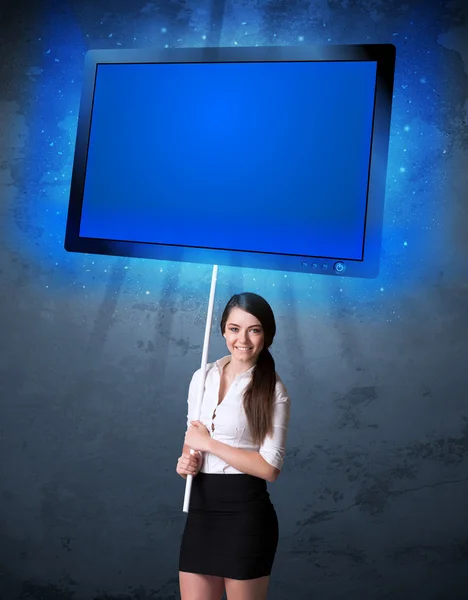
222 362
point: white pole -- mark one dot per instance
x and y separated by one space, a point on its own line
201 389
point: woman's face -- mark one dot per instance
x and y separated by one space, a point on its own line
244 336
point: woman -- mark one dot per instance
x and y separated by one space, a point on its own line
231 532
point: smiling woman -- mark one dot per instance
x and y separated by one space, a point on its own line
231 532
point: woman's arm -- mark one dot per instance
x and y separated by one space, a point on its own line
190 464
247 461
273 448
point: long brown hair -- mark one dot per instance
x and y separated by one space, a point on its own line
259 395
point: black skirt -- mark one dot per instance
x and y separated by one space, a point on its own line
231 529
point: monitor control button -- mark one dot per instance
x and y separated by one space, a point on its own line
339 267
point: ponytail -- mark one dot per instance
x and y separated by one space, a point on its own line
259 396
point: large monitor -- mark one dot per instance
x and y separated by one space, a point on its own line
263 157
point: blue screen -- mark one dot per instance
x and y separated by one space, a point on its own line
256 156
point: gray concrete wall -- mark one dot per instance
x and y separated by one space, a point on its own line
96 352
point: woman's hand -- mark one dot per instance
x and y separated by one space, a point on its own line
197 437
189 464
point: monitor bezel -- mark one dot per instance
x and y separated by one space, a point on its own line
368 267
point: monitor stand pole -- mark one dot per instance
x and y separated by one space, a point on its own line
201 389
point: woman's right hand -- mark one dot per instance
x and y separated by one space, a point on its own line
189 464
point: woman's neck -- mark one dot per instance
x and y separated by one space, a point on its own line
233 368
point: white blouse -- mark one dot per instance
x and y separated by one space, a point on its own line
229 420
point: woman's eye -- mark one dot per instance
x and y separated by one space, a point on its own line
255 330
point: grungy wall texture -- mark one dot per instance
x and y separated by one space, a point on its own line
96 352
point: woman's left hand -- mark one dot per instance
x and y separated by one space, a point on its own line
197 437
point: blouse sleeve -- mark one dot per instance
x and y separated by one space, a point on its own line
273 449
192 396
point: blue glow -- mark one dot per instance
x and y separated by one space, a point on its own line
417 241
271 157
